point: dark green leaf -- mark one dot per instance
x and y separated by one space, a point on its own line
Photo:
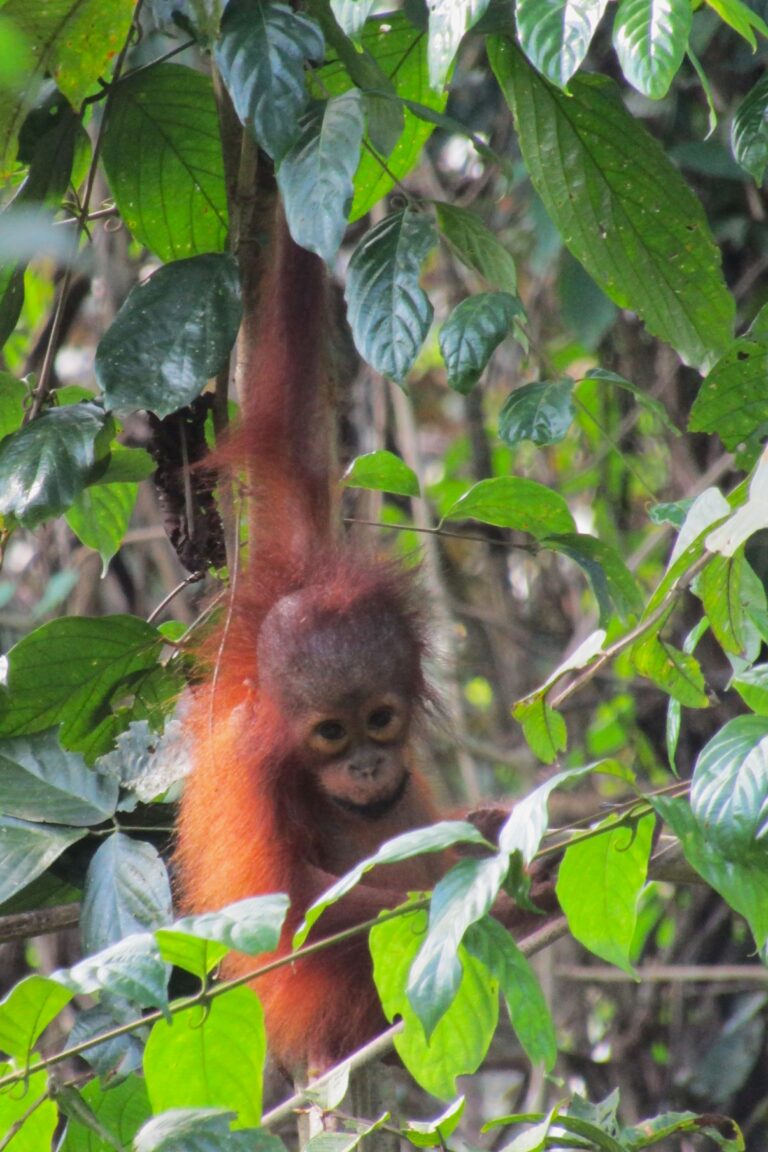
720 588
541 412
749 131
598 887
119 1055
490 943
742 884
201 1130
131 969
41 782
27 849
316 174
514 502
120 1109
27 1011
126 892
729 792
171 335
556 34
476 246
11 298
620 205
471 334
382 472
650 37
650 403
261 53
12 396
389 312
45 465
614 586
162 153
69 671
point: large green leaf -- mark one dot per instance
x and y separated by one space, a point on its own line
599 884
41 782
31 1130
732 401
162 153
171 335
69 671
209 1057
675 672
126 891
542 412
620 205
71 40
389 312
201 1130
544 729
400 50
196 943
460 1040
27 849
27 1011
46 464
382 472
120 1109
471 334
316 174
100 515
556 34
729 792
12 396
448 21
131 969
614 586
514 502
261 53
749 131
650 37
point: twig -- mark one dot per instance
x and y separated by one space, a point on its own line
22 925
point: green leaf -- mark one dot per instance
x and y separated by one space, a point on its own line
748 517
118 1056
126 466
261 54
382 472
162 154
741 884
11 299
121 1109
676 673
752 686
599 884
316 174
435 838
399 49
620 205
73 43
171 335
720 587
614 586
556 34
27 1011
729 791
448 21
99 517
472 333
12 396
36 1125
541 412
528 820
45 465
212 1056
352 14
201 1130
41 782
126 892
544 729
514 502
650 38
27 849
389 312
476 246
741 18
650 403
464 895
732 400
490 943
131 969
69 671
197 943
749 131
460 1040
434 1133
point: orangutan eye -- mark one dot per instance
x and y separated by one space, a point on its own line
381 718
330 731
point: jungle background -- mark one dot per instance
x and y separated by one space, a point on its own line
581 375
